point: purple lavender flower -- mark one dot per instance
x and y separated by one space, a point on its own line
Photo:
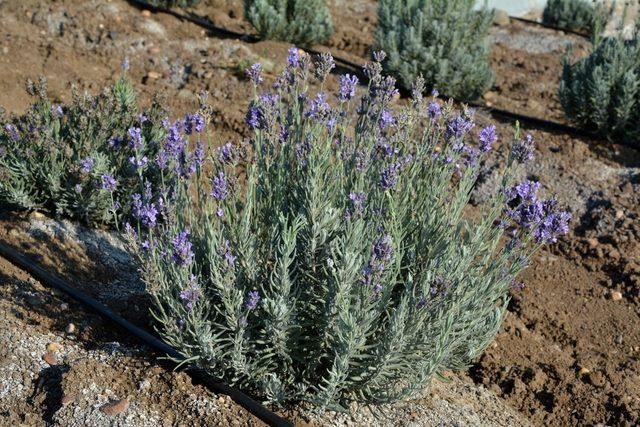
142 118
302 150
255 117
458 127
126 64
348 85
109 183
115 142
175 140
219 190
386 119
318 106
219 212
138 163
182 253
357 204
383 249
162 159
421 303
293 58
225 153
433 109
324 65
523 151
135 137
146 213
379 56
389 176
198 155
191 294
435 93
254 73
193 122
253 299
228 255
78 188
487 138
553 224
86 164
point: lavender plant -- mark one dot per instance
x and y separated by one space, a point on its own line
79 160
331 257
601 92
302 22
576 15
442 40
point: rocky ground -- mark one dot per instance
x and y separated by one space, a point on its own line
569 351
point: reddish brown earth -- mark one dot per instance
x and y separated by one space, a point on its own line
569 351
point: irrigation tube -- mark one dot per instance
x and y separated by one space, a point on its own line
152 341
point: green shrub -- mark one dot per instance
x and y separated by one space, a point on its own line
442 40
301 22
576 15
602 91
332 259
173 3
78 161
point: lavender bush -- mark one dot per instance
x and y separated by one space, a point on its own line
602 91
79 160
331 258
445 41
576 15
302 22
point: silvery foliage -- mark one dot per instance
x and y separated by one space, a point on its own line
75 160
602 91
576 15
445 41
302 22
330 258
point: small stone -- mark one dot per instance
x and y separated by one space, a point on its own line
70 329
616 295
153 75
619 339
146 13
154 50
5 50
583 371
37 215
54 347
50 358
619 214
67 398
64 306
592 242
115 408
501 17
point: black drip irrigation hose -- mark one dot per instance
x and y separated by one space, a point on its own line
551 27
49 279
357 68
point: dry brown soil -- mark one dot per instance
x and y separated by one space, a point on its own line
569 351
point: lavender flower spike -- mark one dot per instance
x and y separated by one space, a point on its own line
192 294
109 183
487 138
523 151
219 190
253 299
254 73
348 85
182 253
